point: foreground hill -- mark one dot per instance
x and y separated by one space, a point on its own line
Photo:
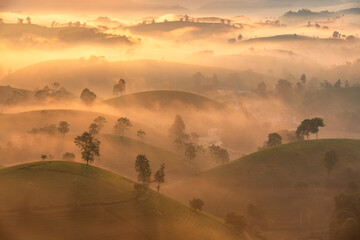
289 182
158 100
63 200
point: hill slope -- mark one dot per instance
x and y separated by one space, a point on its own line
62 200
286 181
164 99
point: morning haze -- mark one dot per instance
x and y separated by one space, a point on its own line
179 120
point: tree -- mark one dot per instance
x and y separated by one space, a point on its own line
284 88
20 21
63 127
68 156
315 124
177 131
190 151
142 167
237 221
274 139
303 78
330 160
119 87
94 129
336 34
43 157
338 84
140 134
240 37
159 177
122 124
261 89
89 146
87 96
28 20
219 154
100 122
196 203
304 129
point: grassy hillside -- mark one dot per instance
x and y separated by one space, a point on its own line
158 100
119 154
286 181
62 200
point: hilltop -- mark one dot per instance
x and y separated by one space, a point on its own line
76 201
285 181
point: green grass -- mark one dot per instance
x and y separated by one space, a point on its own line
164 99
66 200
269 177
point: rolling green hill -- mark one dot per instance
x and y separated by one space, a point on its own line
63 200
289 182
158 100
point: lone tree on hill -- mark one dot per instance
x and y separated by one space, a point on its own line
140 134
43 157
159 177
68 156
315 124
122 124
177 131
196 203
63 127
142 167
119 87
274 139
87 96
219 154
330 160
309 126
89 146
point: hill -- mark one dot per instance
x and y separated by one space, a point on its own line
9 95
100 76
63 200
162 99
289 182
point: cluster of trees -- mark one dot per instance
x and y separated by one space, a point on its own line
122 124
310 126
51 129
190 143
196 204
142 167
337 84
55 93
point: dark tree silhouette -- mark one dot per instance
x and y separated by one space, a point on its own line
219 154
142 167
68 156
190 151
100 122
303 78
159 177
274 139
196 203
304 129
94 129
63 127
87 96
315 124
177 131
89 146
43 157
119 87
141 134
122 124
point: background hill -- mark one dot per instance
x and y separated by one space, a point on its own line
289 182
75 201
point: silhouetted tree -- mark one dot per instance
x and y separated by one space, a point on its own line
237 221
303 78
142 167
177 131
87 96
219 154
20 21
89 146
240 37
274 139
330 160
43 157
28 20
336 34
122 124
315 124
140 134
196 203
100 122
94 129
190 151
337 84
68 156
159 177
64 127
304 129
119 87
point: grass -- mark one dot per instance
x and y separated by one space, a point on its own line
67 200
268 178
164 99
